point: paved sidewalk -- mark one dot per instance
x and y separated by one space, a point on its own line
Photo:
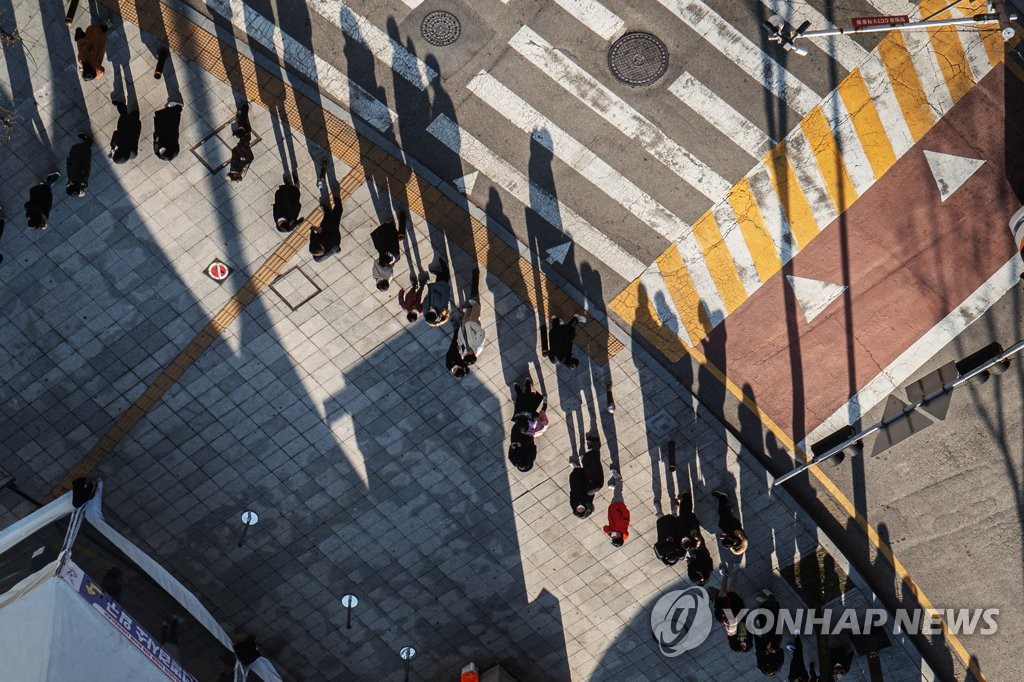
313 402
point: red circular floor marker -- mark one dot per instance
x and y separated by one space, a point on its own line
218 271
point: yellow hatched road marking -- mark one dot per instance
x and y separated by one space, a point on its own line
720 262
755 232
906 85
798 212
684 293
867 123
830 161
950 52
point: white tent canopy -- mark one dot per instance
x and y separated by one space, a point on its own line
56 623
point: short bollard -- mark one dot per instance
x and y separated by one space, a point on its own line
349 601
249 518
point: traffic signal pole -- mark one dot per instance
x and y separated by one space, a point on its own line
784 34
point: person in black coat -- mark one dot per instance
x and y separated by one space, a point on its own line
667 547
124 145
287 206
699 563
79 166
40 201
166 126
528 403
325 238
241 153
581 500
560 338
386 240
522 451
768 647
592 466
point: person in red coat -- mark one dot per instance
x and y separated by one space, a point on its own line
618 522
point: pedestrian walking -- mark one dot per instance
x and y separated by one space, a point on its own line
386 240
287 205
453 358
79 166
730 531
840 653
437 304
325 238
618 522
410 300
592 466
797 667
166 130
124 145
668 548
560 338
528 403
40 201
92 45
472 337
169 637
728 610
241 153
768 646
581 500
691 539
522 451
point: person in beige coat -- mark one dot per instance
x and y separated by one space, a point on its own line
92 45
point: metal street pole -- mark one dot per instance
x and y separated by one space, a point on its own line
937 393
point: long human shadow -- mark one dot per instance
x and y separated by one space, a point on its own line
439 474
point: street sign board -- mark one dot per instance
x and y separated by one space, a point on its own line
891 20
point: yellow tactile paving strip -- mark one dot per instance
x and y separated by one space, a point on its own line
263 276
366 159
423 199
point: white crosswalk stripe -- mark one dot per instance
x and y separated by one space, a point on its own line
383 47
727 39
523 116
594 16
557 214
737 246
617 112
771 210
926 64
854 159
721 115
329 77
876 78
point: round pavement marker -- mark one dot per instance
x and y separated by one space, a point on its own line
638 59
440 28
218 271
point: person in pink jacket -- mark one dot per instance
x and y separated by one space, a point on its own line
618 522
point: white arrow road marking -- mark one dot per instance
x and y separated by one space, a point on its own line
466 182
951 171
813 295
556 254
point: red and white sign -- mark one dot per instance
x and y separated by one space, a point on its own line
892 20
218 271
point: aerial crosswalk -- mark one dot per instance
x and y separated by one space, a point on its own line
718 174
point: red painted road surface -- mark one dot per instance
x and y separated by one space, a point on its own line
908 259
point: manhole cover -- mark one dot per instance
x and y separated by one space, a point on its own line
638 58
440 28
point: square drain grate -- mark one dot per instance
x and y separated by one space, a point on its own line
295 288
214 150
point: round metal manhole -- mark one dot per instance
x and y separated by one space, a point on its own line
440 28
638 58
